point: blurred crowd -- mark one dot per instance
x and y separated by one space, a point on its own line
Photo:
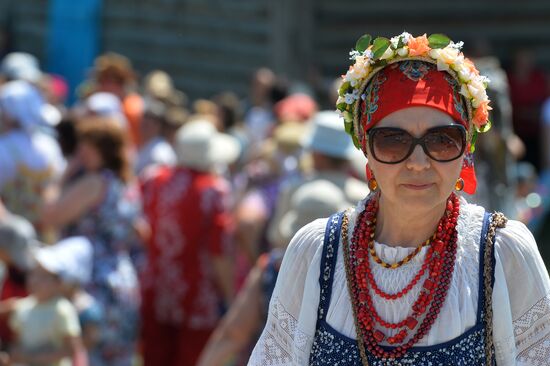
140 227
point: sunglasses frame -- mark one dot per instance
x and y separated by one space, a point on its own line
417 141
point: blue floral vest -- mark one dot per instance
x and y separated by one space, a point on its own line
333 348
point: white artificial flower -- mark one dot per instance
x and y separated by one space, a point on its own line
389 53
394 41
448 55
477 91
353 54
403 51
434 53
349 98
368 54
457 45
463 72
464 91
484 79
406 37
340 100
441 65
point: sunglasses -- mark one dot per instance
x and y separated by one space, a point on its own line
391 145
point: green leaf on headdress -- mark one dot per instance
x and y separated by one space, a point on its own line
342 106
356 141
401 42
344 88
363 43
486 127
473 142
438 41
348 126
380 46
348 116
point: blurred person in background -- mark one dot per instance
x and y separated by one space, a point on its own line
297 107
17 242
497 156
188 279
113 73
230 118
159 86
20 66
105 105
175 118
30 158
155 150
74 256
331 152
256 190
527 91
266 89
103 205
46 322
241 326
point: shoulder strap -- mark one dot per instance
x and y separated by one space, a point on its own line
328 262
482 266
498 220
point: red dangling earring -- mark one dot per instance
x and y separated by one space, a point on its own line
459 185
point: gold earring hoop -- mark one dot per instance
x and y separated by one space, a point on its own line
373 184
459 185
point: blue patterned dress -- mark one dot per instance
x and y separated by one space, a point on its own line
114 284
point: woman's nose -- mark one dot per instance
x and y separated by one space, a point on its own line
418 159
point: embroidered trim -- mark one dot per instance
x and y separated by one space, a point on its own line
498 221
531 316
286 322
536 355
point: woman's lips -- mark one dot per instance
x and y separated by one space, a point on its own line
418 187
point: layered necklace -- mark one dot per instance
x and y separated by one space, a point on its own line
437 269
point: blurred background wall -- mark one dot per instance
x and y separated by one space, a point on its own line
212 45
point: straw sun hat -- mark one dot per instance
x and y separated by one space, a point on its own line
200 146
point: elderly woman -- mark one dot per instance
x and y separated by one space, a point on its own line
414 274
103 206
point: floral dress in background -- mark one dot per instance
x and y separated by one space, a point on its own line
114 283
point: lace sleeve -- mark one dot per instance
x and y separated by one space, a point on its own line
288 333
532 333
528 287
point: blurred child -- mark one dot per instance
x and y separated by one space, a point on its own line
17 239
74 256
45 323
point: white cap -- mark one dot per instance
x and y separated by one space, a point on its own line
21 66
17 239
70 259
200 146
23 102
106 105
328 136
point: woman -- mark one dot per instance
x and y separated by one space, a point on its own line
414 274
103 206
242 324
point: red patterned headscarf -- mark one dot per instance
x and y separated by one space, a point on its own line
415 83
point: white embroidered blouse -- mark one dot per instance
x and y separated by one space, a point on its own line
521 294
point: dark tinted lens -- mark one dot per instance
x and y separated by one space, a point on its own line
390 145
445 143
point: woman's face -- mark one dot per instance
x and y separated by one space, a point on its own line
418 182
89 156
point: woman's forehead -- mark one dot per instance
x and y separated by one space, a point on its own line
416 119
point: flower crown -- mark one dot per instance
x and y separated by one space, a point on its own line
372 56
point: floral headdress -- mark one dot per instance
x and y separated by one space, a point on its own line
372 56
